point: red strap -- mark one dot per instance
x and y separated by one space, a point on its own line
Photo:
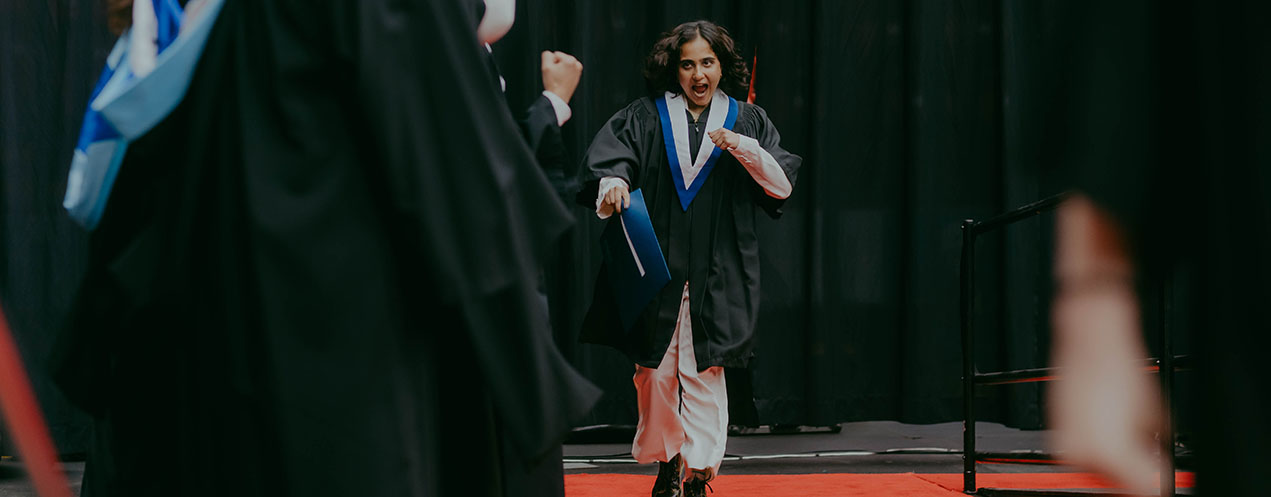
754 68
26 424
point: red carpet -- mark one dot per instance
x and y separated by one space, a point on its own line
839 484
1041 480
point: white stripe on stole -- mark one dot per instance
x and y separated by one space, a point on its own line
676 108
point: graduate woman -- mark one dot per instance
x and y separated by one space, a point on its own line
708 165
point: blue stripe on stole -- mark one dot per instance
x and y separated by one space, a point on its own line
95 128
687 194
168 15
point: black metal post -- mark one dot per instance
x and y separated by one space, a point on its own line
1167 390
968 357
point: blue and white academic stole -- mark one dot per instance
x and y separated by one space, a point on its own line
687 174
98 153
125 105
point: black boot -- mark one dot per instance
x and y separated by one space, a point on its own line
695 485
670 478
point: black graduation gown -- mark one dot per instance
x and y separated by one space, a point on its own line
317 276
713 244
542 133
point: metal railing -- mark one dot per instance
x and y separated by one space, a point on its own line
1166 365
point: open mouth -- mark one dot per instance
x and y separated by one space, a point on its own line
700 90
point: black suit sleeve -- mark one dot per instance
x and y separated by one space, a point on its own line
543 134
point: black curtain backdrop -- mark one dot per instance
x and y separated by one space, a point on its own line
911 116
50 56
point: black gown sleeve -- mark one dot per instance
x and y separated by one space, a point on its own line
542 133
615 151
770 139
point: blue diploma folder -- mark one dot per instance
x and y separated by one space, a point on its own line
637 270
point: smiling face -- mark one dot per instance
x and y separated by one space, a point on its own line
699 72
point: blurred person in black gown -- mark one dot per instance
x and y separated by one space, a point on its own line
318 275
540 126
1165 120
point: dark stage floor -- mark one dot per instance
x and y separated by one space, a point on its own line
863 447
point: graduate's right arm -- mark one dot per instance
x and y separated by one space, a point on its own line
612 164
614 196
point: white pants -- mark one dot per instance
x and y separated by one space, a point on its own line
681 411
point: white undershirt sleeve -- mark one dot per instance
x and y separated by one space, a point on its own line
606 184
762 167
563 113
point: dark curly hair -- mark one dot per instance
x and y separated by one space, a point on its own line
662 64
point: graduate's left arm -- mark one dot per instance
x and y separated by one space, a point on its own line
757 161
772 167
